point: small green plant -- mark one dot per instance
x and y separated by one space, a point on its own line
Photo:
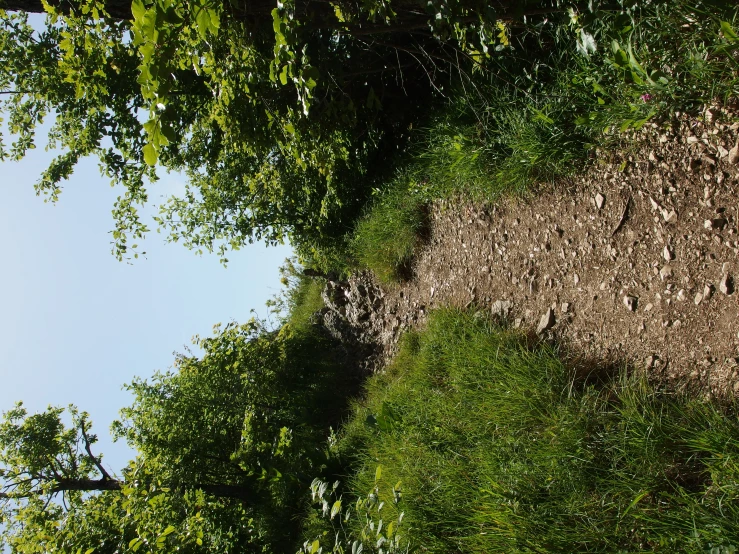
379 525
385 239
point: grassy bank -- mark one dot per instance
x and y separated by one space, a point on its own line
538 107
485 444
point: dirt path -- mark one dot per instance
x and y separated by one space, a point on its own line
633 261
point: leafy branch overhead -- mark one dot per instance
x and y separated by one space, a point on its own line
277 115
224 443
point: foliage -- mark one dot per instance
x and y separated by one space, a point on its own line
225 442
300 298
499 448
385 239
275 115
381 524
48 475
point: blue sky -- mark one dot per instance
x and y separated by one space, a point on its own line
75 324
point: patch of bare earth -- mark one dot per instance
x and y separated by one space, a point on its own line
633 262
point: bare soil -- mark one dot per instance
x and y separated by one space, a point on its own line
632 262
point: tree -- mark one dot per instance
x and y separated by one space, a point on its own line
277 115
227 445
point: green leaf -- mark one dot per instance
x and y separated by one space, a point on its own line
283 75
204 23
378 473
150 155
314 547
138 9
168 531
172 17
728 31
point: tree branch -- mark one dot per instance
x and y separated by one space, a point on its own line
106 476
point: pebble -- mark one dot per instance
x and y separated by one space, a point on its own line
630 302
546 322
716 223
726 285
501 308
599 200
669 216
668 254
707 292
698 298
665 272
734 154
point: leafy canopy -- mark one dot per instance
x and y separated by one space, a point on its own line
278 116
226 446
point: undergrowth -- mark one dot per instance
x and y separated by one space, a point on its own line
538 109
473 441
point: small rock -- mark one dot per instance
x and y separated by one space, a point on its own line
726 285
716 223
599 200
734 154
546 322
501 308
576 278
565 307
707 292
668 254
681 295
648 307
665 272
630 302
698 298
669 216
650 361
722 152
692 139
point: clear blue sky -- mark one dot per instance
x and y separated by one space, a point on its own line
76 324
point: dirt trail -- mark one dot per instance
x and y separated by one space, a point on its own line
633 261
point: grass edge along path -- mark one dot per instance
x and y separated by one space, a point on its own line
474 441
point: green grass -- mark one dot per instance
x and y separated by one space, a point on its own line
497 447
535 112
385 239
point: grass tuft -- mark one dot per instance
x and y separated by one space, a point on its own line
385 239
497 449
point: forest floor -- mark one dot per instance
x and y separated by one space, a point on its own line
632 262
